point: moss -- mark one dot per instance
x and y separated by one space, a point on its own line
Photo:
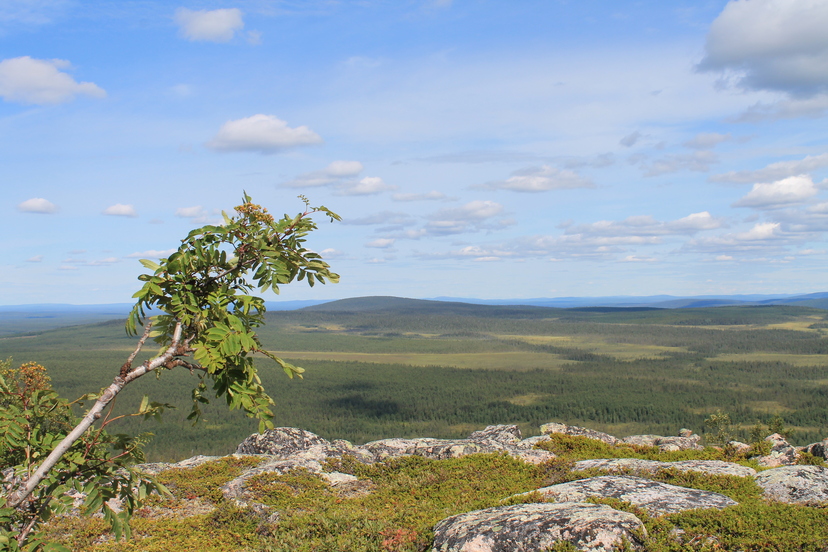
205 481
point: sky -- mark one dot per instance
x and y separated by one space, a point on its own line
474 148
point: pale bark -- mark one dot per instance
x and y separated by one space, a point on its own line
19 495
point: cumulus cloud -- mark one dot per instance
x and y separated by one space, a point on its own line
381 243
771 45
707 140
775 171
540 179
473 216
151 254
120 210
332 174
370 185
781 193
427 196
35 259
210 26
640 228
37 205
698 161
261 133
199 215
40 82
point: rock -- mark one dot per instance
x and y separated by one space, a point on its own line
192 462
806 485
535 527
656 498
739 446
553 427
530 442
713 467
634 465
819 449
782 453
642 440
505 434
501 438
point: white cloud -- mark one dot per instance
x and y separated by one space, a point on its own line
370 185
35 259
190 212
774 171
782 193
261 133
151 254
120 210
211 26
427 196
38 205
381 243
540 179
724 257
637 259
771 45
104 262
636 227
707 140
472 216
761 232
333 173
40 82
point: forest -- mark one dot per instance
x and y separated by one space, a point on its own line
390 367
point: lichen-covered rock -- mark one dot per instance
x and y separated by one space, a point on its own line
642 440
535 527
782 453
713 467
686 440
819 449
806 485
503 438
553 427
656 498
629 465
188 463
505 434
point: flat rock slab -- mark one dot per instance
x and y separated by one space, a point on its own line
535 527
656 498
713 467
806 485
552 427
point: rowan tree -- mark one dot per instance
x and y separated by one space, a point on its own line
198 306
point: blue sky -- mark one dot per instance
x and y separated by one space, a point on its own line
473 148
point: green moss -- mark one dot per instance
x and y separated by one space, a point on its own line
205 481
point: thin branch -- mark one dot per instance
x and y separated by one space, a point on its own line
128 364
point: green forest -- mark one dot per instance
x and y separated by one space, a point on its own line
387 367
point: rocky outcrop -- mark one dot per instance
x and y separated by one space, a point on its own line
634 465
552 427
820 449
806 485
501 438
656 498
535 527
781 454
525 527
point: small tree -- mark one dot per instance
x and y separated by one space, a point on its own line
206 322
